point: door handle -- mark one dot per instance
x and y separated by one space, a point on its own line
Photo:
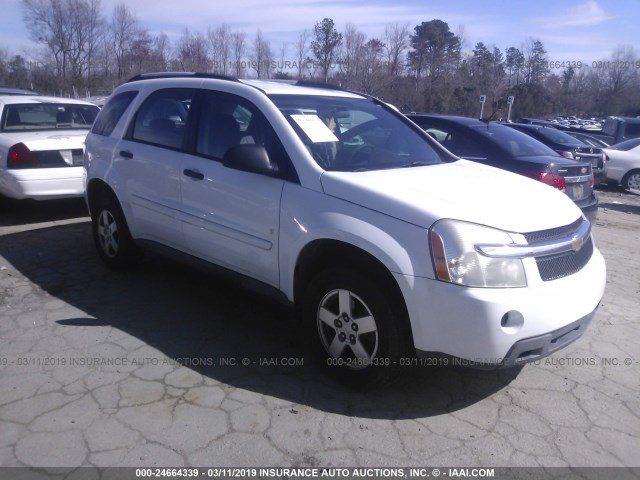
193 174
126 154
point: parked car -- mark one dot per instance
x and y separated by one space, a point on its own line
623 164
567 146
16 91
589 139
386 244
42 146
498 145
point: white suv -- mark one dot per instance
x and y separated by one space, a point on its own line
387 244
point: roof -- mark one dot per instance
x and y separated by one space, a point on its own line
270 87
289 87
22 99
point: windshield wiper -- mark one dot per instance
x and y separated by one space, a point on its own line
414 164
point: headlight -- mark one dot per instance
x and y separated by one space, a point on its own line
457 261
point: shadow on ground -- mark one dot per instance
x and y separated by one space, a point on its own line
23 212
190 316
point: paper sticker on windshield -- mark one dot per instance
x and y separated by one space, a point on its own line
315 128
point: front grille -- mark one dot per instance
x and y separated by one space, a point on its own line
553 233
553 267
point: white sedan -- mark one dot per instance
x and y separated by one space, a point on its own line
42 146
623 165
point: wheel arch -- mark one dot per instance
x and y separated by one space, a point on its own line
320 254
625 177
97 188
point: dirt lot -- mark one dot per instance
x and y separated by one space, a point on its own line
167 365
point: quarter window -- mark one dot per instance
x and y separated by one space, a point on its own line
111 113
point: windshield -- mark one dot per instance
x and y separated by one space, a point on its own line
354 134
514 142
48 116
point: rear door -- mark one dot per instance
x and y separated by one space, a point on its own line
149 160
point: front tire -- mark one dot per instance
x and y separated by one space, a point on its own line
111 235
631 180
360 336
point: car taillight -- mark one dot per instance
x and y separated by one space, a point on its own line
18 156
556 181
567 154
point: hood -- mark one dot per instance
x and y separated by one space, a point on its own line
48 139
462 190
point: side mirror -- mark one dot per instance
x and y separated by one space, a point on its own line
250 158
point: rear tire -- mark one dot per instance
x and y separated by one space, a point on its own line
111 234
358 334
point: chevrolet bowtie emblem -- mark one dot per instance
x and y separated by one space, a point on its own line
576 243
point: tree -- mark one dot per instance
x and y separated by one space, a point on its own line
434 59
18 74
192 53
372 55
220 40
124 28
351 58
535 64
397 42
327 41
161 52
514 64
302 50
68 29
238 46
262 56
96 25
435 48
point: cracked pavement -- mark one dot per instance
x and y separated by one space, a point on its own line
124 369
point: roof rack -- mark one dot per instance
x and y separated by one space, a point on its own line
328 86
154 75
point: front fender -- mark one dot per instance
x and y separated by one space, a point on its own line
307 216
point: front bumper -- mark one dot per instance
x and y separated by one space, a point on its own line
42 183
534 348
468 323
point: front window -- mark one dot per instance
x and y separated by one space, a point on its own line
48 116
354 134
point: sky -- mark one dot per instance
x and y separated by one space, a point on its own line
571 30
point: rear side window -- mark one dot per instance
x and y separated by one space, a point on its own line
162 118
513 141
111 113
